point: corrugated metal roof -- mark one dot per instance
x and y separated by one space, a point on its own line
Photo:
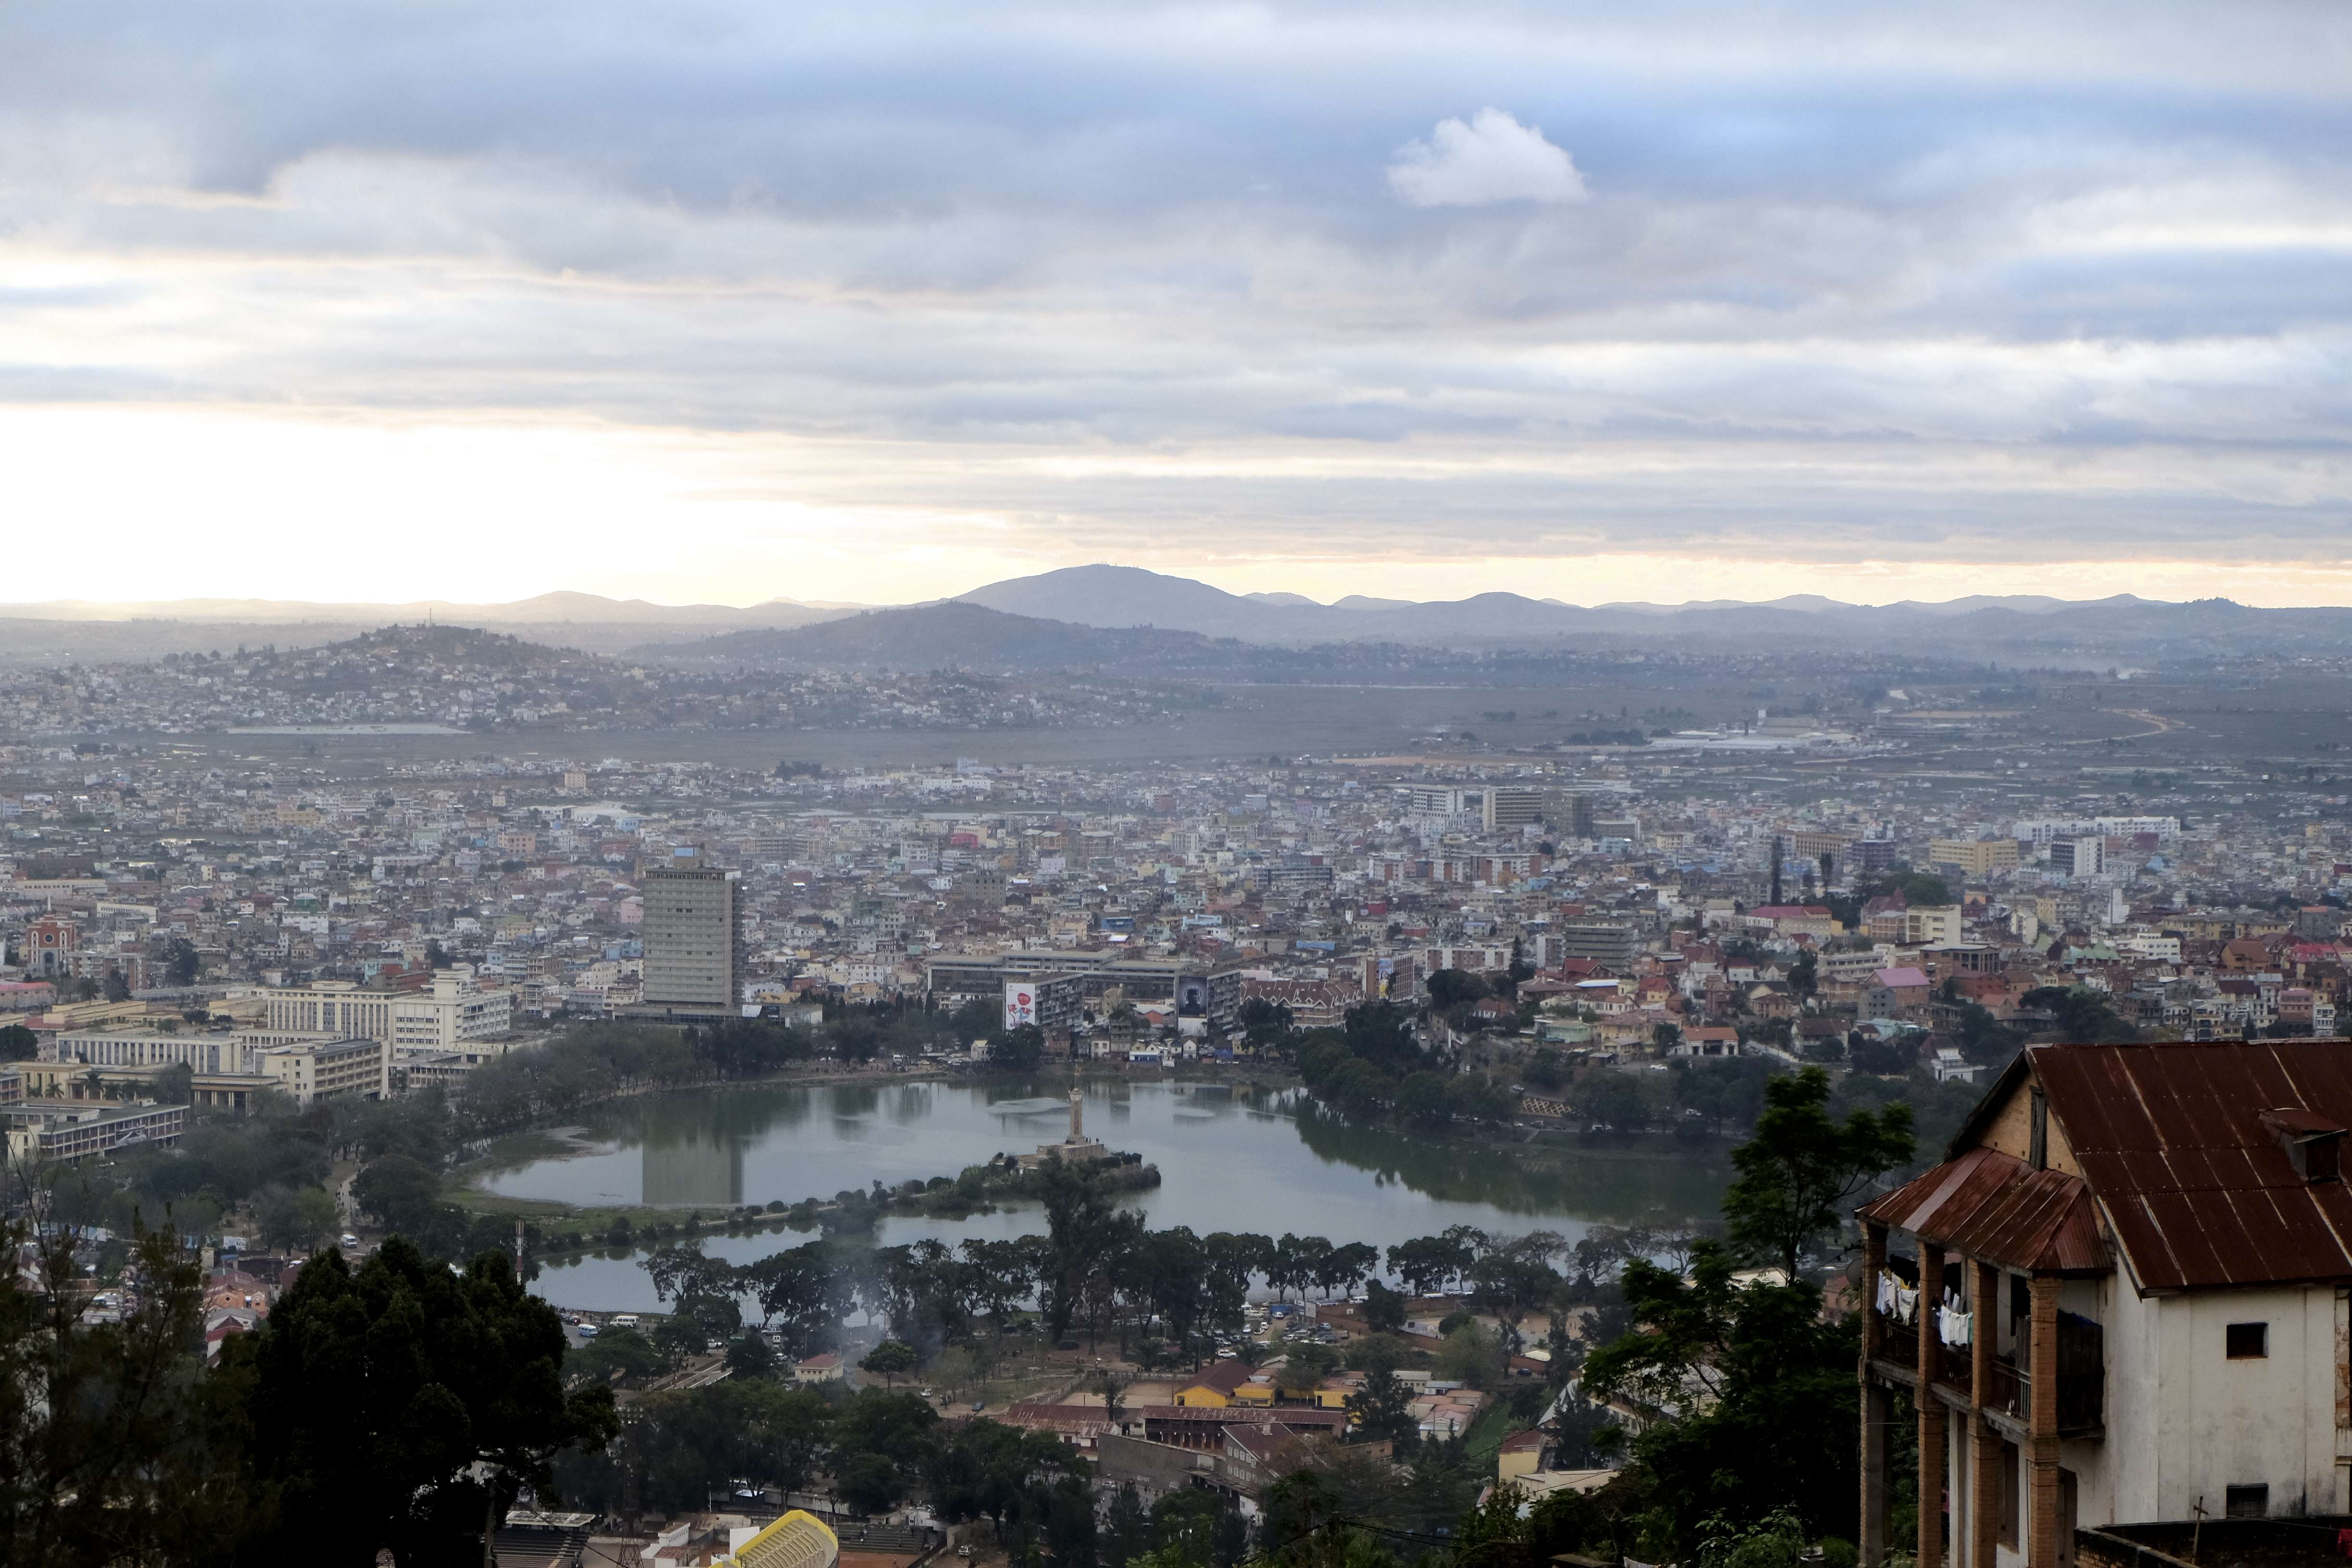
2198 1192
1997 1207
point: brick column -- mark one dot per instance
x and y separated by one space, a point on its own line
2042 1545
1984 1458
1931 1409
1878 1402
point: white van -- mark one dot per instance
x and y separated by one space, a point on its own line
626 1320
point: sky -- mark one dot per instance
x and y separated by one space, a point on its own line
877 302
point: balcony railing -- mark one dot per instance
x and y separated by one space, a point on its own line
2012 1390
1955 1368
1897 1341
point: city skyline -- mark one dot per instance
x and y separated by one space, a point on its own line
882 304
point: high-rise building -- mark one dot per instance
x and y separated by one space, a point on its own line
692 936
2079 857
1612 942
1506 808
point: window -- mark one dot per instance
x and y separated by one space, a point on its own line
2247 1342
2247 1502
2009 1488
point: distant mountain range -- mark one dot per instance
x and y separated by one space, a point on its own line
1090 616
1116 596
950 634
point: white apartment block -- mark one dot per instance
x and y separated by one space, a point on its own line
457 1009
208 1051
314 1070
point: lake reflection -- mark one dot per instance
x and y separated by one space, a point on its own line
1230 1158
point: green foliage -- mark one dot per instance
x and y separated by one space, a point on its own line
2084 1016
1379 1407
1724 1090
1017 1050
1604 1097
1470 1356
113 1449
290 1218
890 1360
613 1353
379 1390
399 1192
1373 1067
1755 1392
1266 1024
1802 1165
1450 987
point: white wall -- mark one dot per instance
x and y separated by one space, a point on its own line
2219 1422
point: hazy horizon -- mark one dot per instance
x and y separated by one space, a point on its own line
829 603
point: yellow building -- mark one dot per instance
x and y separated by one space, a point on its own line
1215 1389
797 1539
1975 856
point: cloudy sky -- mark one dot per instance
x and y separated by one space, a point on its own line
877 301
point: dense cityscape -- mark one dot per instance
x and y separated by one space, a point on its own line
1206 786
341 1004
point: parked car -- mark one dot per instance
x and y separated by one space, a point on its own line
589 1330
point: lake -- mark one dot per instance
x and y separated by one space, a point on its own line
1231 1157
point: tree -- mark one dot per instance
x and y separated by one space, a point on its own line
1018 1050
2086 1017
290 1217
1756 1391
1804 975
1448 987
1469 1355
1427 1263
1799 1168
750 1356
889 1360
1266 1023
1127 1534
1383 1308
398 1406
181 962
870 1483
114 987
398 1192
113 1448
616 1352
1380 1408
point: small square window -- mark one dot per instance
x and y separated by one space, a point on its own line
2248 1341
2247 1502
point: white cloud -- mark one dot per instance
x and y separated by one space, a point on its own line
1493 158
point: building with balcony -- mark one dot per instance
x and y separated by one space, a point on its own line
2124 1299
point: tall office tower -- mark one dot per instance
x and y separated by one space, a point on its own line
1506 808
692 935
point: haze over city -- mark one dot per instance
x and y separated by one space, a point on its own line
1324 784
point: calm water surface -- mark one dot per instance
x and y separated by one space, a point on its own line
1230 1158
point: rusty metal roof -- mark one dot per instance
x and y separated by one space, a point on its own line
1997 1207
2199 1192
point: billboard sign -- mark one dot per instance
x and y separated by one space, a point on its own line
1020 1004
